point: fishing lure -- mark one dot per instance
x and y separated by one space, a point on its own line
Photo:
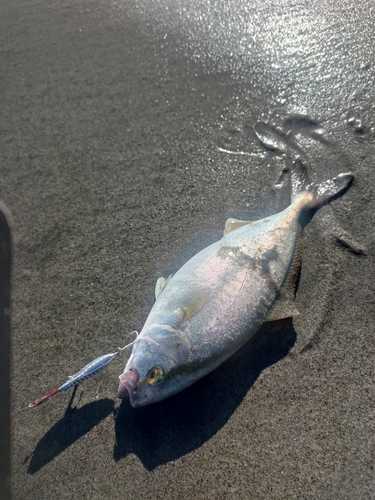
88 371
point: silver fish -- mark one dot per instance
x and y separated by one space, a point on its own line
221 297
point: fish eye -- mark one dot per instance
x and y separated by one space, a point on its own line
154 375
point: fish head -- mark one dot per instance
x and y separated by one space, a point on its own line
155 368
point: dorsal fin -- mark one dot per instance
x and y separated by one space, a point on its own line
161 284
282 308
293 273
233 224
284 305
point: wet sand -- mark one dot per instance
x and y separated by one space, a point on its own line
127 139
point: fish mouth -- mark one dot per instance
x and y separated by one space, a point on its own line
128 383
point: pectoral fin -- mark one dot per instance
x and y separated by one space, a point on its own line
161 284
192 306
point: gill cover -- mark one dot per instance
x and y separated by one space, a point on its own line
158 349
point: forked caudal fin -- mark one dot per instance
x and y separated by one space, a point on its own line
320 194
324 192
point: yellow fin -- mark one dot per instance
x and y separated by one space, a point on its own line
233 224
161 284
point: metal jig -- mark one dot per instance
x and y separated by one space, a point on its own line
88 371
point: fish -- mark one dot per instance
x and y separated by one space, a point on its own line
216 302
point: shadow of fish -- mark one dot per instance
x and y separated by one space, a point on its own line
220 297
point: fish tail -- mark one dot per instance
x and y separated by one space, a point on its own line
323 192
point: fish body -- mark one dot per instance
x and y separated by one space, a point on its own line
220 298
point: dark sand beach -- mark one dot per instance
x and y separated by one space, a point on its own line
129 132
